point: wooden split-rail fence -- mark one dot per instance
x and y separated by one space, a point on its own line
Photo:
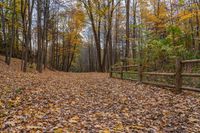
177 75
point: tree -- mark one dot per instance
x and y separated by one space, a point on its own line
96 12
155 30
4 38
127 28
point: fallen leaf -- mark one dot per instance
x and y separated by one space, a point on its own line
119 127
139 127
1 104
58 130
191 119
34 127
106 131
74 119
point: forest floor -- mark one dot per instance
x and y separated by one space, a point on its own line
90 102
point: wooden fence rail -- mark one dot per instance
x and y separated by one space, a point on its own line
177 76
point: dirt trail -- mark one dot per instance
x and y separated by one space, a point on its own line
90 102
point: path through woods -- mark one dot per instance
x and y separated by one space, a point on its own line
90 102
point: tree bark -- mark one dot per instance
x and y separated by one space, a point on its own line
3 21
127 28
39 36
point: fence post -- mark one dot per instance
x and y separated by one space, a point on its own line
111 72
121 72
178 77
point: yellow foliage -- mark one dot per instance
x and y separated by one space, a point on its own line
152 18
188 16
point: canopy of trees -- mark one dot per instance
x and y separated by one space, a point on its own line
93 35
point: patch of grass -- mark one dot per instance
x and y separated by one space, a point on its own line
116 75
126 75
18 90
130 75
191 81
159 79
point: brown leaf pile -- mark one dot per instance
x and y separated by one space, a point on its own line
91 102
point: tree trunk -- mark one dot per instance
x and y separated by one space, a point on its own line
13 32
127 28
3 21
39 35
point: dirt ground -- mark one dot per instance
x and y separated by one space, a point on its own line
90 102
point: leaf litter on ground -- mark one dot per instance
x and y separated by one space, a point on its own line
90 102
